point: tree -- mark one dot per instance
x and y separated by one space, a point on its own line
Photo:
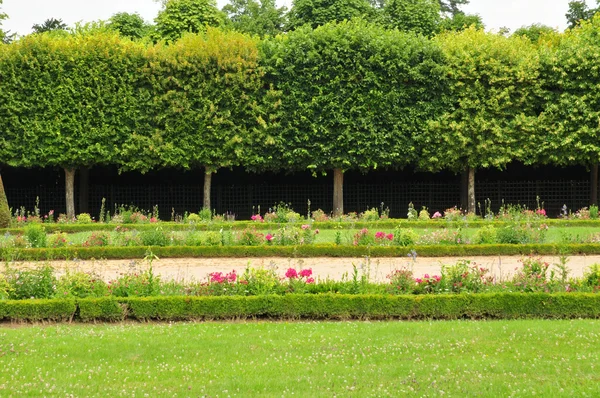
352 96
569 126
419 16
49 25
579 11
492 105
5 36
68 101
452 6
260 18
534 32
203 90
319 12
460 21
129 25
181 16
4 209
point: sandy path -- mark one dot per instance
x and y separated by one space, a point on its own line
334 268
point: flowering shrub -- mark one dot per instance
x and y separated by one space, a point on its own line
369 215
412 214
97 239
36 235
381 238
428 284
436 215
402 281
319 216
38 283
137 283
58 239
465 276
442 237
249 237
363 238
81 285
453 214
84 218
424 214
138 218
297 281
257 217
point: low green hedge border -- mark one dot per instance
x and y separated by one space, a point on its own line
302 251
238 225
327 306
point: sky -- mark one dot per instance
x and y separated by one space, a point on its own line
23 14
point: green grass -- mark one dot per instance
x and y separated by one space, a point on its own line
316 359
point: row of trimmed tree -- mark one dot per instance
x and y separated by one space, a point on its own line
343 96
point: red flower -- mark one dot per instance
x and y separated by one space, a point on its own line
305 273
291 273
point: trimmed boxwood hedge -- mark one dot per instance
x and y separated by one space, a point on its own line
304 306
238 225
313 250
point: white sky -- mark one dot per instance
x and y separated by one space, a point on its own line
24 13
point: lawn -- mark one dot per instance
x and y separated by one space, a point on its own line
312 359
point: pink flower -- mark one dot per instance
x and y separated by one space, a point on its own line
153 219
217 277
232 276
269 237
305 273
390 236
316 231
541 212
418 280
437 214
379 235
256 217
305 226
291 273
51 213
310 280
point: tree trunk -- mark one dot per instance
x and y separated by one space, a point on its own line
464 189
84 190
207 182
338 192
4 209
471 191
70 192
594 184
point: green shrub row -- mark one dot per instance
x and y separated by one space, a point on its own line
316 250
240 225
327 306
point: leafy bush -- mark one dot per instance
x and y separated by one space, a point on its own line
36 235
260 281
402 281
592 276
405 237
193 218
154 237
465 276
363 238
212 239
370 215
485 235
81 285
205 215
58 239
249 237
38 283
141 283
97 239
84 218
319 216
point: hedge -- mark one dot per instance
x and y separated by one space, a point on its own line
299 306
239 225
304 251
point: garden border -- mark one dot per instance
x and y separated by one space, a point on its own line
299 306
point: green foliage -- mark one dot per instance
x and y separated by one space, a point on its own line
405 237
4 209
49 25
345 85
568 125
452 6
320 12
84 218
534 32
36 235
419 16
460 21
493 105
154 237
80 104
486 235
37 283
262 18
181 16
578 12
129 25
135 284
80 285
305 306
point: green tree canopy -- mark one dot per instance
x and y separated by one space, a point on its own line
129 25
183 16
492 109
319 12
460 21
579 11
260 18
419 16
534 32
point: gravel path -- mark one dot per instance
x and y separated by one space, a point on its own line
334 268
